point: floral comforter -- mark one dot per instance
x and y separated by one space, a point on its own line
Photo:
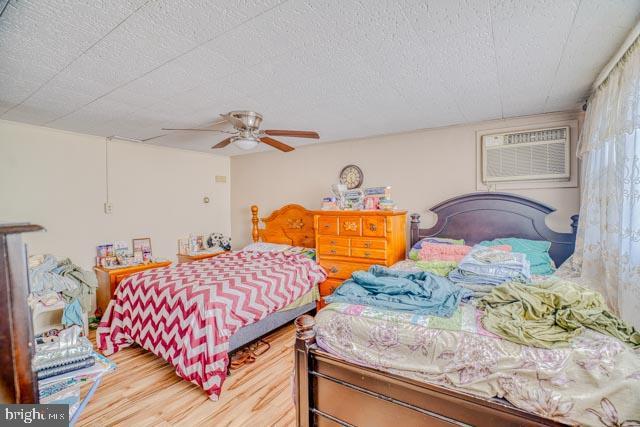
596 381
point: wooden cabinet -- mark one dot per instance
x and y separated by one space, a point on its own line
197 257
347 241
109 278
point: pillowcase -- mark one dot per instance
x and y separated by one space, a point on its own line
536 251
415 249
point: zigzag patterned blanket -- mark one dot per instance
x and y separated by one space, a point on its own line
187 313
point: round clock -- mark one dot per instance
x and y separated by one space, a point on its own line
351 176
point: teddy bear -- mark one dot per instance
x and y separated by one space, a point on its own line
219 240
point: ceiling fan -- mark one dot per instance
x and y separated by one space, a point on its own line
247 134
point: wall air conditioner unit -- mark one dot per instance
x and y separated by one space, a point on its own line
541 154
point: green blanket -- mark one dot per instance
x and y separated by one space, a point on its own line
550 313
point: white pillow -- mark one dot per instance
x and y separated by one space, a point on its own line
266 247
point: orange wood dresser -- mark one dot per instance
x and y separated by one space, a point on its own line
197 257
109 278
347 241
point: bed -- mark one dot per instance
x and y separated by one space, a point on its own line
291 225
365 388
194 314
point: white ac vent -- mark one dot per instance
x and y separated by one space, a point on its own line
541 154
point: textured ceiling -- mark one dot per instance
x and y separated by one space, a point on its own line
344 68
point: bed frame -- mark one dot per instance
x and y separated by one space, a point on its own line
331 391
292 225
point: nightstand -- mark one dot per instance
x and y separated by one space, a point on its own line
197 257
109 278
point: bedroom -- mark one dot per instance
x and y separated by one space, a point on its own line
109 112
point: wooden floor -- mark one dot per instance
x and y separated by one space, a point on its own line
145 391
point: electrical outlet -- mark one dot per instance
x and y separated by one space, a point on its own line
221 179
108 208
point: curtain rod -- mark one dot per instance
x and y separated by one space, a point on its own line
633 35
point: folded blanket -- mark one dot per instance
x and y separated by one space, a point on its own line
414 253
491 266
443 252
550 313
536 251
440 268
421 292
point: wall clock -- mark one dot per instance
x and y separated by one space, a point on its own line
351 176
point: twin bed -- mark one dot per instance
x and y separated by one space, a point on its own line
362 365
194 314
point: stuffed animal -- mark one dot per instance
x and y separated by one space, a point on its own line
219 240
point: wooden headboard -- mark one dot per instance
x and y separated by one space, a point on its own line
485 216
291 224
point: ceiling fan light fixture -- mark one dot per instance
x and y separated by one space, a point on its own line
246 143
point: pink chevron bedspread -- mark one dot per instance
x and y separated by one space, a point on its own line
187 313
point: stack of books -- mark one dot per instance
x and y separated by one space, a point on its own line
63 365
64 388
68 353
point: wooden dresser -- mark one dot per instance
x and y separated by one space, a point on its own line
109 278
347 241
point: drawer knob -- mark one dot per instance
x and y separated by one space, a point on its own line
333 269
367 244
367 254
327 226
332 251
333 242
372 227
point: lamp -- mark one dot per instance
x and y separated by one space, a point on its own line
246 143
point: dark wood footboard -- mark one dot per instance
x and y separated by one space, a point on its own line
331 391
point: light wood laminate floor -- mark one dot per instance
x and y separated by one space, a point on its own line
145 391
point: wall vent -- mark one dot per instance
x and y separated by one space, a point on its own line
540 154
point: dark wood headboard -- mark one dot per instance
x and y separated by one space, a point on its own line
485 216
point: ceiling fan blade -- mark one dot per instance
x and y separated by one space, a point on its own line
199 130
276 144
154 137
223 143
296 133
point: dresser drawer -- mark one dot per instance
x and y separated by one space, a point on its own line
342 269
350 226
368 243
328 225
369 253
333 250
373 226
333 241
329 286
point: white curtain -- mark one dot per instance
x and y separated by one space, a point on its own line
608 242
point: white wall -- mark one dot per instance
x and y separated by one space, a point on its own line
423 168
57 179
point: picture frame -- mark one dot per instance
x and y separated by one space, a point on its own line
142 245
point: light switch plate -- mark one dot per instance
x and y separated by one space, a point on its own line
108 208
